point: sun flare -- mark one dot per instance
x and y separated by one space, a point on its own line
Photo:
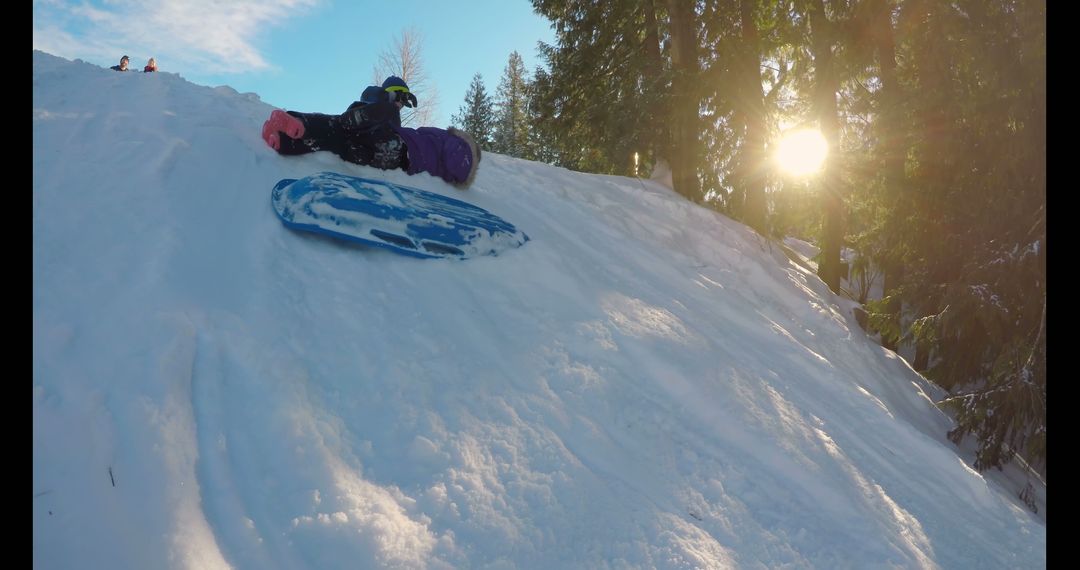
802 152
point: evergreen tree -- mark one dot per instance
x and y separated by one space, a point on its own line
974 283
985 315
477 115
541 139
749 49
512 117
605 96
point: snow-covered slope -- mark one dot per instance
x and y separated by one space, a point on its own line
644 384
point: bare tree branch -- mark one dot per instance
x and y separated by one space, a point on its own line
405 60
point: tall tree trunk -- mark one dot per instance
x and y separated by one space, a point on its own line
935 154
894 149
753 109
654 65
922 356
684 110
828 122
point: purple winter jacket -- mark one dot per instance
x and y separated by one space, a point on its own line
449 154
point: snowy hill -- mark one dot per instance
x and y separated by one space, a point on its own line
644 384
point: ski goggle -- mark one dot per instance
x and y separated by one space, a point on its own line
399 93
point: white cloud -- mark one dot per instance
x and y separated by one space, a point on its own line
214 37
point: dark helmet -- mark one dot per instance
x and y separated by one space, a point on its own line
395 81
398 90
373 94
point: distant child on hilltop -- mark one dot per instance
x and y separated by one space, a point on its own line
369 133
123 65
151 66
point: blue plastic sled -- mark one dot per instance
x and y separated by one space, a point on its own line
406 220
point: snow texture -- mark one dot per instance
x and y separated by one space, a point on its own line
645 384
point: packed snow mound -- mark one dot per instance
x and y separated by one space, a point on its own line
645 384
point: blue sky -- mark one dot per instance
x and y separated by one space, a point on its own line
304 55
